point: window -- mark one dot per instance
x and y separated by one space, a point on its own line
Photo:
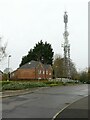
50 73
46 72
39 71
43 72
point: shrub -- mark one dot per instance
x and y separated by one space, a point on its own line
21 85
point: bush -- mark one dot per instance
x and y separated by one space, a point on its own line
5 82
21 85
51 85
53 82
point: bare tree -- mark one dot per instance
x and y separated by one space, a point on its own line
59 69
58 66
2 49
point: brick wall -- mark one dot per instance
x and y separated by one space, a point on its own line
35 73
26 74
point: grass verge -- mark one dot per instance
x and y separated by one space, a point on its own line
19 85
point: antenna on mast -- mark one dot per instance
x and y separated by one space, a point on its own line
66 49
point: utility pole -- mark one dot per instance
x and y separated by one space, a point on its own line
8 67
66 49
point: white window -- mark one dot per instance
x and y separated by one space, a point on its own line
43 72
50 73
46 72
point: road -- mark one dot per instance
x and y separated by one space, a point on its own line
78 109
42 103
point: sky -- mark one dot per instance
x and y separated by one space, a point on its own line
23 23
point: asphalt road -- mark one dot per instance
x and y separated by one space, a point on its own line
78 109
42 103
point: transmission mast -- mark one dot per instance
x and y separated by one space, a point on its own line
66 48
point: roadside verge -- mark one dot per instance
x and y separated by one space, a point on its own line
11 93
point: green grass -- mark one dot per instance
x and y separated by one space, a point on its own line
20 85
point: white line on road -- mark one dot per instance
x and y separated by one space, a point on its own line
54 117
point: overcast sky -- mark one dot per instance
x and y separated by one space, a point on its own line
25 22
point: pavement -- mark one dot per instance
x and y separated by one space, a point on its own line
10 93
78 109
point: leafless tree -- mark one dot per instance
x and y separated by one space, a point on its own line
59 69
2 49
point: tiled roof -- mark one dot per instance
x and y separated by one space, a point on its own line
46 66
33 64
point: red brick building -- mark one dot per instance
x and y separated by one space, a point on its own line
32 70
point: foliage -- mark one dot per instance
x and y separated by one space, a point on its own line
5 76
84 77
14 85
5 82
18 85
58 67
88 75
53 82
73 71
41 52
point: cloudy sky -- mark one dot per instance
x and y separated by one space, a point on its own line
25 22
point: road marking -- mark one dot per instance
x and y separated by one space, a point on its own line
59 112
54 117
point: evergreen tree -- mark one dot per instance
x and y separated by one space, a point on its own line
42 52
